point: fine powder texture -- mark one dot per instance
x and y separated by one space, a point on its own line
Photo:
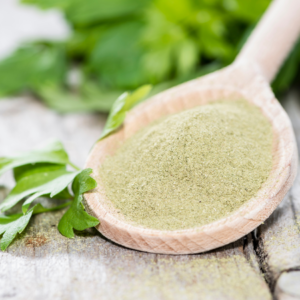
191 168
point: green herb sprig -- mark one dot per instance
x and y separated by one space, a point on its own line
43 173
123 104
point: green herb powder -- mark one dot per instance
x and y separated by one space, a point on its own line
191 168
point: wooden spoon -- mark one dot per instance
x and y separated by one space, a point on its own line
247 78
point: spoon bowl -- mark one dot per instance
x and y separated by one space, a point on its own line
247 78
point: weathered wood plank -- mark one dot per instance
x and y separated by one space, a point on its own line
279 237
42 264
288 287
47 265
279 242
250 252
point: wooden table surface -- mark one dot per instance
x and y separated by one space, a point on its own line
42 264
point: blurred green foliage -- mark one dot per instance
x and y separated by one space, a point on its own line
31 66
122 44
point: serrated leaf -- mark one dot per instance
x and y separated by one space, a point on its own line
52 152
36 185
76 217
118 112
11 225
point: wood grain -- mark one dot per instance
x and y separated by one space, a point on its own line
89 267
279 236
42 264
279 242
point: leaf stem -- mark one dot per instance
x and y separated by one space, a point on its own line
53 208
74 167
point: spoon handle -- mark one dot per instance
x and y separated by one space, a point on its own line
273 37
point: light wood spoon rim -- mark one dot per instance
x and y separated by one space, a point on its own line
247 78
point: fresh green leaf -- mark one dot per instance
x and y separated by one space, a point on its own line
118 112
209 68
36 185
11 225
76 217
30 67
89 99
89 12
30 169
52 152
168 46
133 98
123 44
117 56
187 53
46 4
245 10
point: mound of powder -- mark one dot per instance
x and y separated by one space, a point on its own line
191 168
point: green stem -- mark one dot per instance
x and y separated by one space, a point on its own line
54 208
74 167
